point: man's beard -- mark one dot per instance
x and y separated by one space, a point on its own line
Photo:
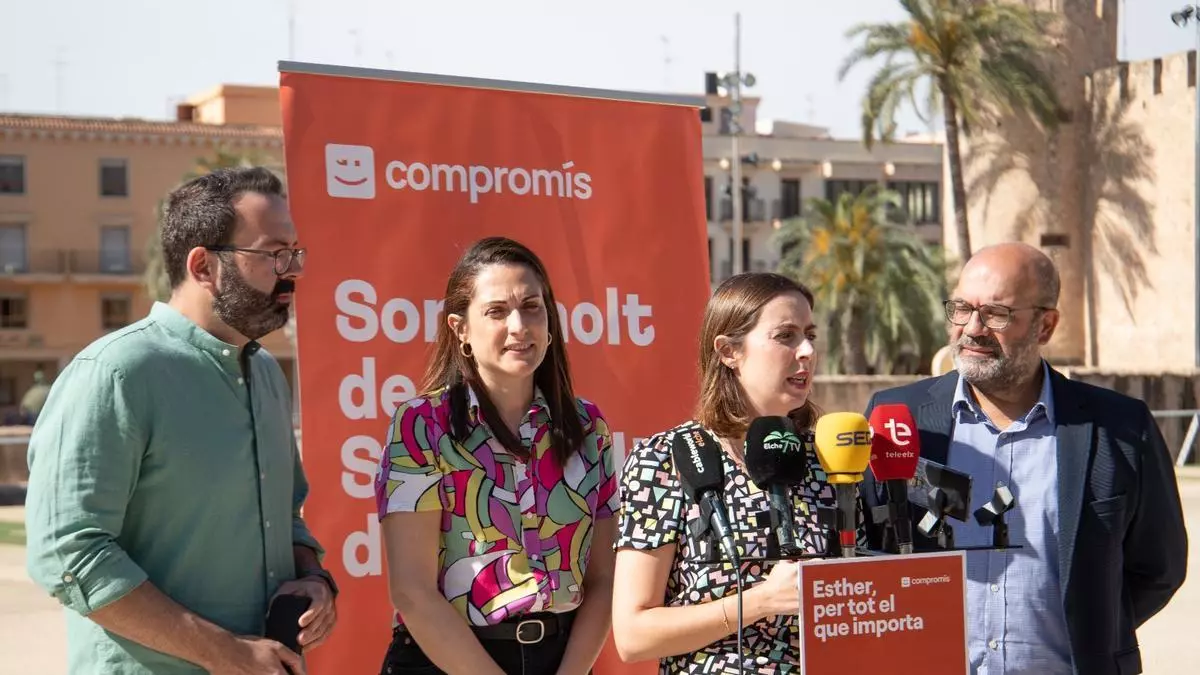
999 371
248 310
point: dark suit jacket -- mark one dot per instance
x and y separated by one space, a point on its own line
1122 546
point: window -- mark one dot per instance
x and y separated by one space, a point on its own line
12 175
708 197
115 311
114 178
711 271
8 390
13 256
789 203
920 201
835 188
114 249
14 311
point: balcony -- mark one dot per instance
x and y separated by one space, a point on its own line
43 265
754 210
726 268
105 266
782 209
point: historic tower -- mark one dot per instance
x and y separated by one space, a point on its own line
1024 184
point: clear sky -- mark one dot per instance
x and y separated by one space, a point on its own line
138 57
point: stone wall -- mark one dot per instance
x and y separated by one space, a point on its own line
1162 391
850 393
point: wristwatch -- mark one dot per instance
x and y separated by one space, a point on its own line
323 574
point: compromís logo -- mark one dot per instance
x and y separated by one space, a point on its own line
350 173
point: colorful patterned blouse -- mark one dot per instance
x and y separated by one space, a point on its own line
516 535
655 512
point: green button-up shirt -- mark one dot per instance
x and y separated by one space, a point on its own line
158 457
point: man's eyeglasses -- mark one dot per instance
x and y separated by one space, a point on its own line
284 257
995 317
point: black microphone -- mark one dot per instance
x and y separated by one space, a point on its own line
776 459
697 458
943 492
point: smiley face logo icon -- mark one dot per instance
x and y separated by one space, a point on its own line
350 171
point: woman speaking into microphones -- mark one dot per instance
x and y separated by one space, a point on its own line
686 493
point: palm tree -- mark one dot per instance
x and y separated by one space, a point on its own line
155 277
878 286
964 59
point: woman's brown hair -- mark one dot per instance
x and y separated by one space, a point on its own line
450 369
733 311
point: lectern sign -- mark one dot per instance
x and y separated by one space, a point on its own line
884 614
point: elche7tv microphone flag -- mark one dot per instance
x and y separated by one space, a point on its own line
776 460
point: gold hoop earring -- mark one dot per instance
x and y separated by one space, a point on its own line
549 338
465 350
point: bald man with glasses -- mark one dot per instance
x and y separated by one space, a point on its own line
1098 518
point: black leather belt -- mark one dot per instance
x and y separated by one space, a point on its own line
526 630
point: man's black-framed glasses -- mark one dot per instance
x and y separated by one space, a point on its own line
995 317
284 257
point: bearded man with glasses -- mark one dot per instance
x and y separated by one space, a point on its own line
1097 516
165 486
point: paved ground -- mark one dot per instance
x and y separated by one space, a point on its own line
32 629
32 640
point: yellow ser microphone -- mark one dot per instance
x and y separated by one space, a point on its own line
844 450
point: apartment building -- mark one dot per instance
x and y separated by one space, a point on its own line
78 203
788 163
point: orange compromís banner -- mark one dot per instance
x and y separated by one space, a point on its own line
391 177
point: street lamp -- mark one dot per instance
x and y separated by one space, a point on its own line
1191 14
733 82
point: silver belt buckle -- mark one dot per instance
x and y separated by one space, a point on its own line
531 622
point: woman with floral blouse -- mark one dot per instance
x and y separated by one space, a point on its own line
496 491
756 359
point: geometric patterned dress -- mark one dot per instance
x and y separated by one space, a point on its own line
655 512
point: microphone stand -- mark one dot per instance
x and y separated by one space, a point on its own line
992 513
934 525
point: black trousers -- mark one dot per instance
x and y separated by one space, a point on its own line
519 653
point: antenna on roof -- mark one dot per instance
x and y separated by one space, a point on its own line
59 65
357 46
291 10
666 42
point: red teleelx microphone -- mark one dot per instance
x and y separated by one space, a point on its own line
895 449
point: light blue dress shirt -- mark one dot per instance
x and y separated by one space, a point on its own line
1015 619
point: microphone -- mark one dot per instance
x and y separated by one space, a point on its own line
698 461
943 492
775 460
992 513
895 449
697 458
844 448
